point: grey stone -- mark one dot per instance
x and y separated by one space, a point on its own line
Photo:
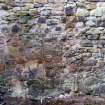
90 23
90 62
86 43
102 42
93 37
100 89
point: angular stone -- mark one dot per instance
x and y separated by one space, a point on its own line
24 19
90 62
102 42
102 24
93 37
63 19
85 68
97 55
58 28
69 11
90 6
86 43
100 89
102 37
71 21
91 18
81 5
41 20
79 25
15 28
4 7
99 12
90 23
86 56
82 12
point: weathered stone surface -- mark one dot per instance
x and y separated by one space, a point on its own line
90 61
92 37
82 12
90 6
86 43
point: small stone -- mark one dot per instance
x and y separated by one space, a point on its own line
29 6
99 12
90 62
70 9
90 23
4 7
99 89
82 68
81 5
16 9
79 25
82 12
22 13
90 6
47 30
86 43
24 19
96 12
33 12
3 13
58 28
41 20
97 55
38 5
45 12
102 37
4 29
102 24
71 22
58 7
15 29
63 19
91 18
101 43
94 30
51 23
103 50
93 37
93 12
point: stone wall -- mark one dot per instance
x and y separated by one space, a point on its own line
77 26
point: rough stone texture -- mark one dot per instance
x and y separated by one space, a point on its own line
71 30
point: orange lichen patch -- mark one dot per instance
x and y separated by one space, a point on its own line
2 67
